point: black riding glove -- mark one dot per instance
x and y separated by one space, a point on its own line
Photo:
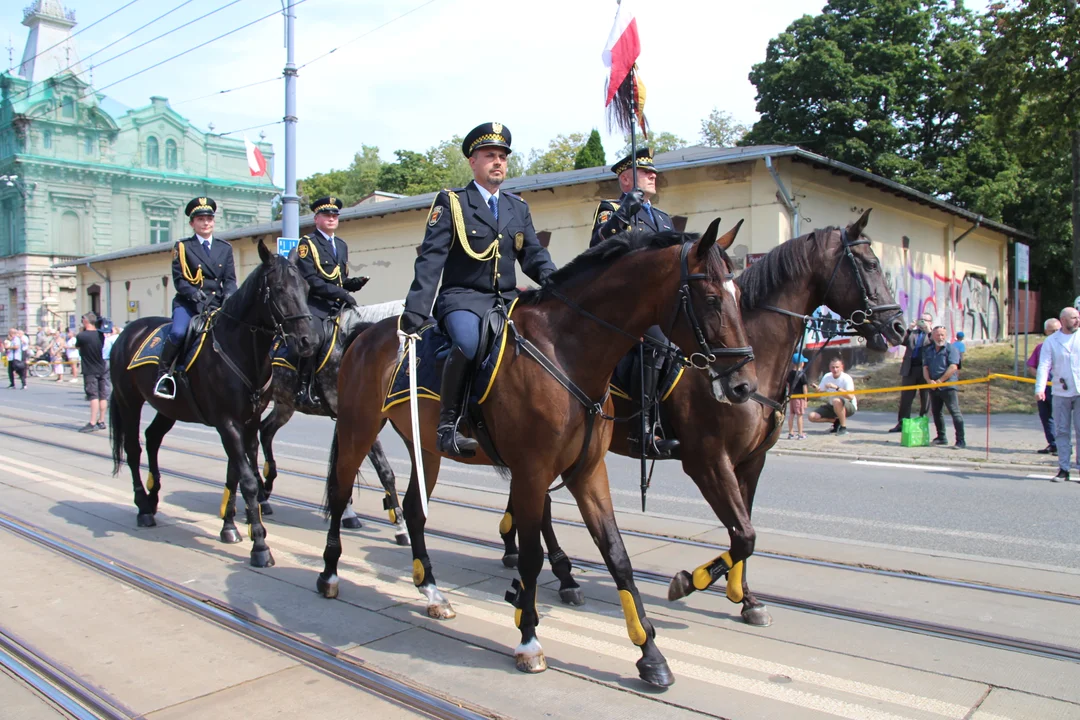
348 300
200 297
412 322
354 284
630 205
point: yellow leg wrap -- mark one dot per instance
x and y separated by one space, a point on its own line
634 627
150 482
224 504
417 573
266 469
706 575
393 516
517 618
734 583
506 524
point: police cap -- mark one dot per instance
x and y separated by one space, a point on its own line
201 206
644 161
484 135
329 205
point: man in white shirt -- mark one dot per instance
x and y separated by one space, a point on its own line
839 408
1061 356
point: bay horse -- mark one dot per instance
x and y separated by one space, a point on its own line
352 322
541 408
723 447
225 389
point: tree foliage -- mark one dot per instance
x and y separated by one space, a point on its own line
660 142
592 154
559 156
721 130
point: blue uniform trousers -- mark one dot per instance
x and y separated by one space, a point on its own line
463 327
181 318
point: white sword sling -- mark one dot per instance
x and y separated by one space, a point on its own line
414 409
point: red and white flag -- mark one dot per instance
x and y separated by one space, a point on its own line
622 49
256 161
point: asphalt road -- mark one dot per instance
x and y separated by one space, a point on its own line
997 515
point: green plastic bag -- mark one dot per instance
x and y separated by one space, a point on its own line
915 432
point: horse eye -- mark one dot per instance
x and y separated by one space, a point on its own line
713 300
871 265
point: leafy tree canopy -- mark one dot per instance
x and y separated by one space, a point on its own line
559 156
721 130
592 154
660 142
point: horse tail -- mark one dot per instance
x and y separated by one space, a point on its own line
331 476
116 433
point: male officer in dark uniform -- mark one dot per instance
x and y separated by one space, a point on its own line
323 260
203 275
467 230
635 211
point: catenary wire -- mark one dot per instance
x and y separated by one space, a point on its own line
96 22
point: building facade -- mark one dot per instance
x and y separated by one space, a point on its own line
80 175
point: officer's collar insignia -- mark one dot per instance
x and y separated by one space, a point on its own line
497 128
436 213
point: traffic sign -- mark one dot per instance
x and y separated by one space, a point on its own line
286 245
1022 262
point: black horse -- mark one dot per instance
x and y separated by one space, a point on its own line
224 388
351 322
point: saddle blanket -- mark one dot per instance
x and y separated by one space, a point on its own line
285 357
433 347
622 379
149 353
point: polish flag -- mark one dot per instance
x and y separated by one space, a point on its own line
622 49
256 161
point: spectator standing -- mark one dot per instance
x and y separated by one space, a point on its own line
839 408
961 347
911 372
90 343
110 332
72 356
16 348
57 351
1061 356
796 382
940 360
1046 406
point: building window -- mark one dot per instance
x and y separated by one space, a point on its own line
88 145
68 107
170 154
152 151
46 140
159 231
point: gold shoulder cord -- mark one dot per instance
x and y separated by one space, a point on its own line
197 278
490 253
318 265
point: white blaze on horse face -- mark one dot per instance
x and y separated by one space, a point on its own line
729 285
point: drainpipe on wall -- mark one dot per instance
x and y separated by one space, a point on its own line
108 289
789 203
967 232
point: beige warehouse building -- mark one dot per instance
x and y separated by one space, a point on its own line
939 258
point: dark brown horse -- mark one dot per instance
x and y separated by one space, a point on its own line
583 321
225 389
723 447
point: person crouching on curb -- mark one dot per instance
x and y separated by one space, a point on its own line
796 386
839 408
940 360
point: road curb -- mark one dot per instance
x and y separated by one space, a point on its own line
974 464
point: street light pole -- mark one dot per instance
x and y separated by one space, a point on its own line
290 202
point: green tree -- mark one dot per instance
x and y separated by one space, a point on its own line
558 157
320 185
591 154
660 142
410 174
363 173
721 130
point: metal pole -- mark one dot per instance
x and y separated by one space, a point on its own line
633 144
290 201
1016 310
1027 322
646 431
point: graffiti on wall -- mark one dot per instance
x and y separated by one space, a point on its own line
971 303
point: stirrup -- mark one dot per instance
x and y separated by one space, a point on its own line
165 387
451 442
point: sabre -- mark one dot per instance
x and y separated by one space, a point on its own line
414 410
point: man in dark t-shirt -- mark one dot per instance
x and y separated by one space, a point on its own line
95 372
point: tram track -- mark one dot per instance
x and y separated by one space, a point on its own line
341 666
905 624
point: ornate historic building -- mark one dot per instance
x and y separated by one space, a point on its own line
81 174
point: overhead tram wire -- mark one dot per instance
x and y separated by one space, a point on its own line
96 22
309 62
251 127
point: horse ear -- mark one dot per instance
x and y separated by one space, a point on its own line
855 229
729 237
708 239
264 254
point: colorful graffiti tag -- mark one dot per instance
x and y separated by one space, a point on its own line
970 304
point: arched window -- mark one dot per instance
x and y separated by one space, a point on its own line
68 107
152 151
46 139
170 154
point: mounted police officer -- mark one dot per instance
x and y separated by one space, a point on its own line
323 260
634 211
203 275
474 234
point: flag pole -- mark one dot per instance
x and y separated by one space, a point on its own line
633 130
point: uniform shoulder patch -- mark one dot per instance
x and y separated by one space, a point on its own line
302 250
603 216
436 213
176 251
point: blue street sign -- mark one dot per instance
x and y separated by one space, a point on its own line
286 245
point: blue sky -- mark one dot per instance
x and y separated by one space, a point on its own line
450 65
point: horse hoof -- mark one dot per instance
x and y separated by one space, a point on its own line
146 520
529 657
230 536
262 559
510 560
572 596
681 586
352 523
656 674
441 611
266 509
328 588
757 615
402 539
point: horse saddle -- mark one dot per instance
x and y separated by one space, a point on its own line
622 380
283 356
149 353
432 350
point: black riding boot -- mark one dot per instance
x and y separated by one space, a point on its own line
304 396
165 386
655 447
455 374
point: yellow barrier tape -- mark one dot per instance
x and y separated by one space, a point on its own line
898 388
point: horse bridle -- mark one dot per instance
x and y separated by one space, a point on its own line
278 316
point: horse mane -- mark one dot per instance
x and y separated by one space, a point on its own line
237 304
600 257
783 264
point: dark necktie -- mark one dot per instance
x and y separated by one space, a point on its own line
493 203
648 209
333 246
206 247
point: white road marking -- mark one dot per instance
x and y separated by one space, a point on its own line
906 466
1039 477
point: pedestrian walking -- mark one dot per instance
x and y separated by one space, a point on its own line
72 356
911 373
940 360
90 343
796 382
16 349
1060 356
1045 407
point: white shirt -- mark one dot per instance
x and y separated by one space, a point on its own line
486 195
201 239
1061 355
844 382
